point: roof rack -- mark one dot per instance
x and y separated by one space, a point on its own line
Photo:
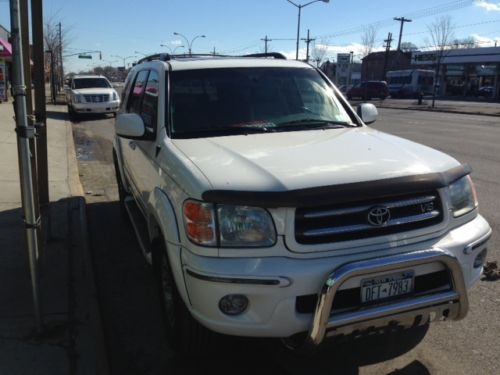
276 55
168 57
156 56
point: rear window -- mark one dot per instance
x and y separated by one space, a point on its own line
88 83
214 100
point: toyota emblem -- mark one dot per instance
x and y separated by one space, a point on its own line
379 216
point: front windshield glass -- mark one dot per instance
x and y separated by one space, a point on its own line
89 83
214 102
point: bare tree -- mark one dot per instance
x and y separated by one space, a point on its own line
368 39
469 42
408 47
318 52
55 42
441 33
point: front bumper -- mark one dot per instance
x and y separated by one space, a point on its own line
103 107
273 284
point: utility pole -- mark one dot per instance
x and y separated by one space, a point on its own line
25 133
402 20
213 52
387 46
266 40
40 110
61 70
26 66
307 40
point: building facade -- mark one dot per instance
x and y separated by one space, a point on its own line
377 64
464 72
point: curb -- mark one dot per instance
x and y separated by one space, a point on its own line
90 340
441 111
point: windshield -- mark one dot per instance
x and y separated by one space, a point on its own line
212 102
88 83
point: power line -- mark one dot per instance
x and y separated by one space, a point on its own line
426 12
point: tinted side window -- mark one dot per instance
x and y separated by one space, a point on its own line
137 93
149 108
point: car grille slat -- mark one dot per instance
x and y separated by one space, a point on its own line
353 221
349 210
96 98
359 227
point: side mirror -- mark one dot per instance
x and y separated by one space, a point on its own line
129 125
368 113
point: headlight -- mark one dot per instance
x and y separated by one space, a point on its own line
237 226
77 98
242 226
463 197
115 95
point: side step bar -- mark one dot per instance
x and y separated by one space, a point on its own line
140 227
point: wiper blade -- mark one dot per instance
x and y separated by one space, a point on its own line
230 130
310 123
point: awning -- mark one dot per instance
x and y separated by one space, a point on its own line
5 49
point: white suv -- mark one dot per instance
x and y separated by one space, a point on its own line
269 208
91 94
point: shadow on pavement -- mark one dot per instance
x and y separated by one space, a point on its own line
53 115
133 329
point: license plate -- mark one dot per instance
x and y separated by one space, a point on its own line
387 286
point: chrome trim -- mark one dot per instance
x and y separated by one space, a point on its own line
279 281
360 227
353 210
455 301
469 249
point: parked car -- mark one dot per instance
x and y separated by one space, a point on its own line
485 91
268 208
369 89
91 94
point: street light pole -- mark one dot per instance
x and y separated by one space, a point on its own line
172 52
300 6
190 44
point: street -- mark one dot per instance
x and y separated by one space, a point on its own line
129 304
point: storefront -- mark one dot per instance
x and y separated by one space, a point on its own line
472 72
5 62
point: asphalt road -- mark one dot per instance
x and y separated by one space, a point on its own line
130 307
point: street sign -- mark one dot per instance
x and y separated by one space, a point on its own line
82 56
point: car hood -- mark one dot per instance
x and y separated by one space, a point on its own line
304 159
94 91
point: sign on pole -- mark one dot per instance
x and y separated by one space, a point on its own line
83 56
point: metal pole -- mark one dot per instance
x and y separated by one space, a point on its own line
61 69
40 109
307 50
298 33
24 133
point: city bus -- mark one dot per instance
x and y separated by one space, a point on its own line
409 83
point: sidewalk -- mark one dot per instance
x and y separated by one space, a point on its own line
71 342
447 106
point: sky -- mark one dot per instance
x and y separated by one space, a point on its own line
122 29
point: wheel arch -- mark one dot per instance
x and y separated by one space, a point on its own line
163 226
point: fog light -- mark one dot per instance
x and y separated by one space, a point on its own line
480 258
233 304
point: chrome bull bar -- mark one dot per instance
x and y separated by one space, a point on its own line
454 302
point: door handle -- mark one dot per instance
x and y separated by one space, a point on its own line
132 145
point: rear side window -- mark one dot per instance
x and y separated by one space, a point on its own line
149 107
137 93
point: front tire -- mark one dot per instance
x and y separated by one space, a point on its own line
184 334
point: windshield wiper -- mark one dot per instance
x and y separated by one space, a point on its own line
311 123
217 132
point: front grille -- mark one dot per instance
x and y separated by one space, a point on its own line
377 217
100 98
350 299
